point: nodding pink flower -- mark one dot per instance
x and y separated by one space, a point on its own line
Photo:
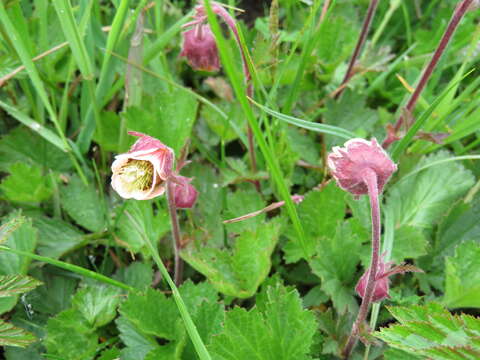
382 282
185 194
348 164
200 48
142 172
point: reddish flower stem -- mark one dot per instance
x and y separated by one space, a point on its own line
460 11
176 235
219 10
361 41
370 178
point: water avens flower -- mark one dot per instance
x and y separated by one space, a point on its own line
382 281
200 48
347 165
362 167
142 172
185 194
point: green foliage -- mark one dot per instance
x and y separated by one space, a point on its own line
17 284
13 336
432 332
83 204
151 316
240 270
278 328
26 184
462 273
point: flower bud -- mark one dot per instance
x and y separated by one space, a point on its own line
382 282
348 163
200 48
142 172
185 194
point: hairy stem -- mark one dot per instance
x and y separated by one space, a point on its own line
361 41
177 238
460 11
370 178
219 10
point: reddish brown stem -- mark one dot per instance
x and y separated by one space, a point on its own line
457 16
176 235
358 48
370 178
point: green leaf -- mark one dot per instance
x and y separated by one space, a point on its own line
336 263
410 243
152 313
17 284
26 183
97 303
432 332
421 199
83 204
24 145
137 218
462 272
107 132
70 337
138 344
56 237
13 336
24 238
238 271
242 202
168 117
278 328
138 275
320 212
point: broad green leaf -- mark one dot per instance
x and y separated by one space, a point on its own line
462 273
138 344
17 284
83 204
277 329
461 225
350 113
238 271
110 354
97 303
56 237
23 238
336 262
409 243
24 145
107 132
320 212
13 336
421 199
168 117
70 337
26 184
153 314
138 218
242 202
432 332
137 274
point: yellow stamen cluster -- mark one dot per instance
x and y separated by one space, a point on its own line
137 175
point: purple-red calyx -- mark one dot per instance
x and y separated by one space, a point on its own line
382 282
185 194
348 164
200 48
143 172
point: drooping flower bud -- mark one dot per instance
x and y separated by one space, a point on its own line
185 194
347 165
200 48
142 172
382 282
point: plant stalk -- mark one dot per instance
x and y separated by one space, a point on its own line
176 235
370 178
361 41
460 11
